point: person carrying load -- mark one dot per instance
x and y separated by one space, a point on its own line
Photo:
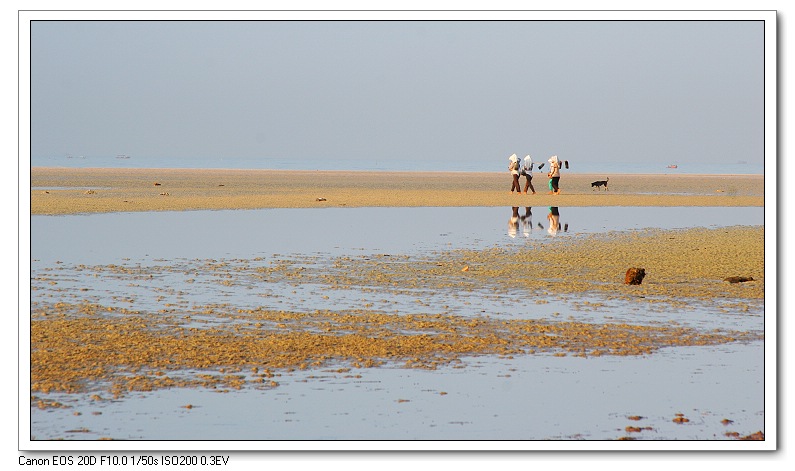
527 171
513 167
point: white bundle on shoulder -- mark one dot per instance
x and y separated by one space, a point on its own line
527 163
513 163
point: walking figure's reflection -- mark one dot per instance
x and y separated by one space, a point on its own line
554 221
513 223
527 221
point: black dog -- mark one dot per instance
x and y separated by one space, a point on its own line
600 183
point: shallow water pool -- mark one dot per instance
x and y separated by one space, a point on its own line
110 238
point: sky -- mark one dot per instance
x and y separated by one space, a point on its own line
441 91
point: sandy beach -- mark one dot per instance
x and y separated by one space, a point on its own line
71 191
235 346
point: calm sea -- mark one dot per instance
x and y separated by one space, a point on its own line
498 164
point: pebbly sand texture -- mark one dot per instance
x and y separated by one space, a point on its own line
70 191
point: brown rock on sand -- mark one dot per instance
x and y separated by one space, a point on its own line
634 276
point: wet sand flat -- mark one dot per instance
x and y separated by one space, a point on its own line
72 191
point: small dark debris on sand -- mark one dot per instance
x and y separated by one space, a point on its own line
738 279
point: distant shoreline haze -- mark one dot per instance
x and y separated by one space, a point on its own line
496 164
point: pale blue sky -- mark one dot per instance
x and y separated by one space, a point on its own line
589 91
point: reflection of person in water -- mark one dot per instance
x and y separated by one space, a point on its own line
554 220
527 222
513 223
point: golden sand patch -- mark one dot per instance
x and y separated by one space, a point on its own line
680 265
689 263
77 348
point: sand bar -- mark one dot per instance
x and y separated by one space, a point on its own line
71 190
